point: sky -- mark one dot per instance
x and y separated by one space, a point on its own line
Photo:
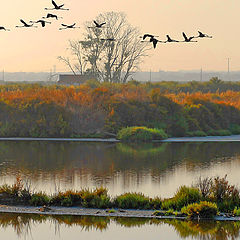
27 50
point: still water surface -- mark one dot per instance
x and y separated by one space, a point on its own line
35 227
154 169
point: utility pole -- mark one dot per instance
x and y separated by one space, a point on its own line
150 75
228 63
201 75
3 75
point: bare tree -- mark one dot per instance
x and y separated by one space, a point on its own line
111 53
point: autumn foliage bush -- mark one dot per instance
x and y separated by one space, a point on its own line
32 110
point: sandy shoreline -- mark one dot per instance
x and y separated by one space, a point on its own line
78 211
232 138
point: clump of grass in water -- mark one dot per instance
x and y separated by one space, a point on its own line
203 210
184 196
143 134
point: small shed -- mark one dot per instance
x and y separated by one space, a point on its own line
71 79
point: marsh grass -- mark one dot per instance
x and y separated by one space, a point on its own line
209 190
184 196
203 210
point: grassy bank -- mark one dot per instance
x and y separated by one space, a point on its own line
205 199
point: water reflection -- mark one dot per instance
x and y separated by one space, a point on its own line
155 169
25 225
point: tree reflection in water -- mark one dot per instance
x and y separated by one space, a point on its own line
116 166
219 230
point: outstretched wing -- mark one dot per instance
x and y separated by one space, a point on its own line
24 23
54 4
60 6
96 23
72 25
102 24
185 37
64 25
147 35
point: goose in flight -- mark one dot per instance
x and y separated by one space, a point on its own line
187 39
49 15
56 7
154 41
3 28
25 24
203 35
170 40
42 22
68 26
98 25
148 35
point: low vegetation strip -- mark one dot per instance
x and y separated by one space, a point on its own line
205 199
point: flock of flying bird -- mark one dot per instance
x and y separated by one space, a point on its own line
155 41
49 15
152 38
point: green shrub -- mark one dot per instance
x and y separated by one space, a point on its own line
132 201
141 134
236 211
234 129
197 133
97 198
156 203
68 198
203 210
39 199
184 196
220 132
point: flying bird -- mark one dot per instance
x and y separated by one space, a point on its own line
203 35
68 26
98 25
56 7
148 35
25 24
187 39
170 40
42 22
3 28
49 15
154 41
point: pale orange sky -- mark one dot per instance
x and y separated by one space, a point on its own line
37 49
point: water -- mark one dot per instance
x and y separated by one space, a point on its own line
154 169
13 226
